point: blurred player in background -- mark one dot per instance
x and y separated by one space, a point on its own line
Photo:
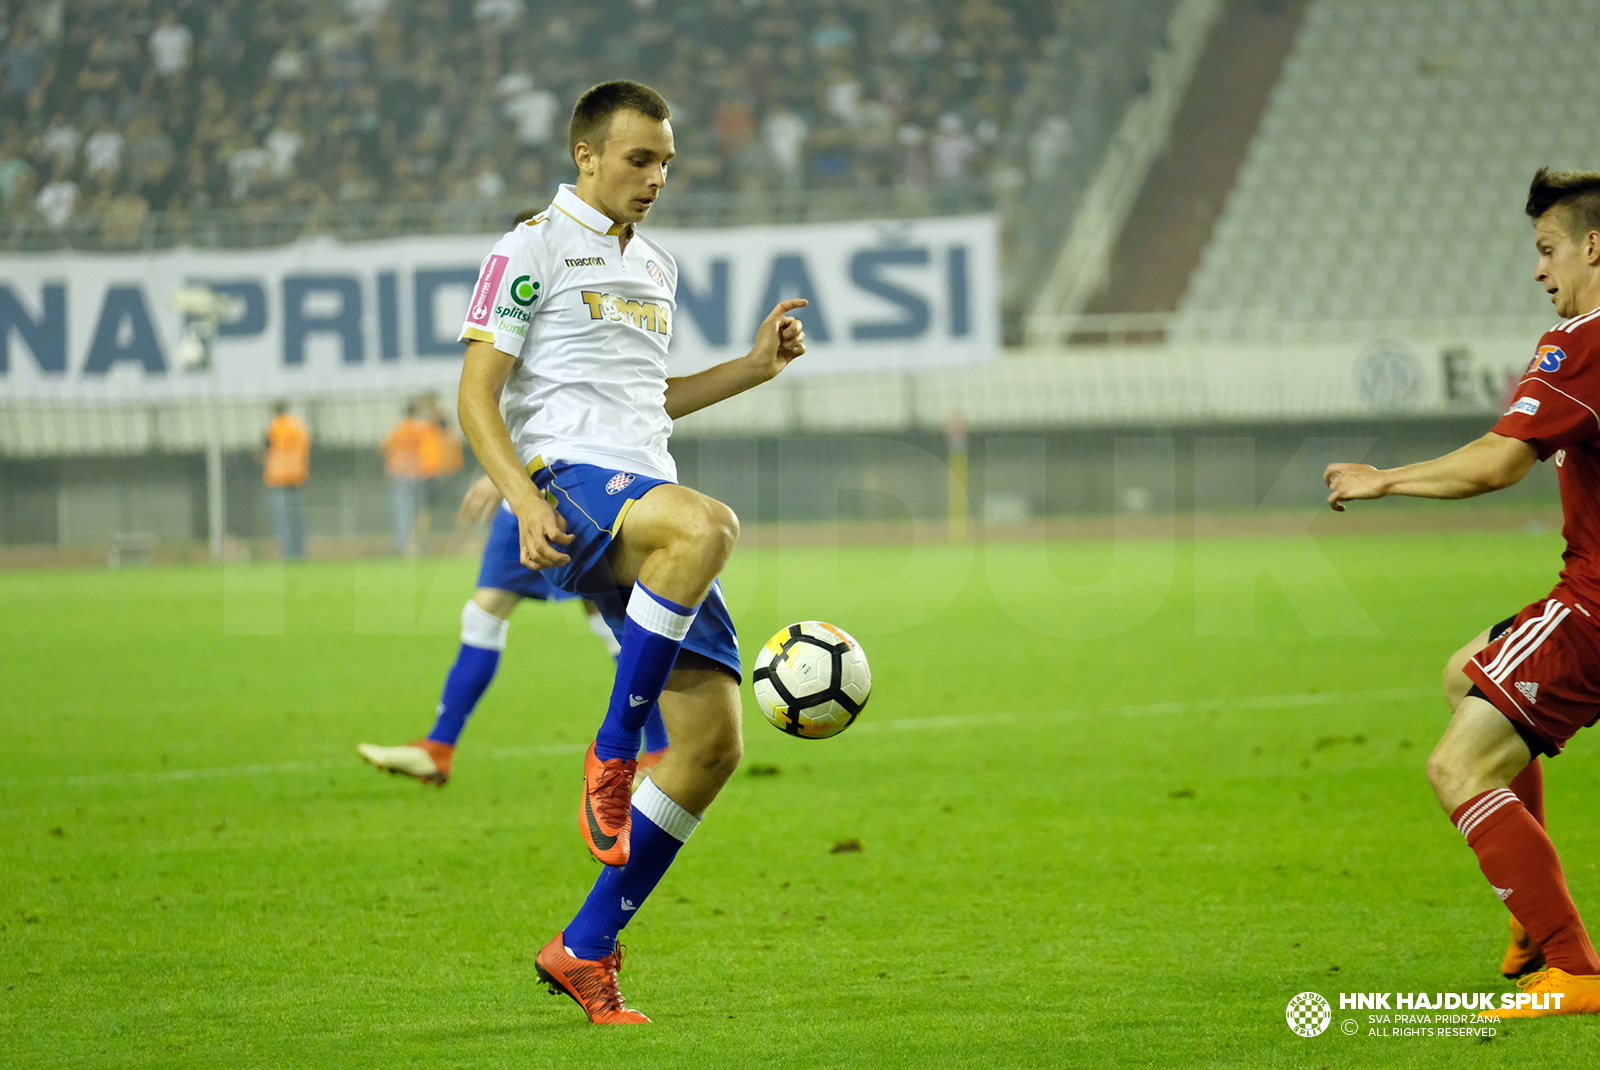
503 582
285 467
402 460
1524 687
571 318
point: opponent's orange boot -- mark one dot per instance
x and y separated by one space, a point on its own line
1551 992
605 815
592 984
426 760
647 761
1523 956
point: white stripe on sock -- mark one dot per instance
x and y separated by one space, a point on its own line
652 616
1485 806
482 629
672 819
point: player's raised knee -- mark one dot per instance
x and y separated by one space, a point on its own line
713 528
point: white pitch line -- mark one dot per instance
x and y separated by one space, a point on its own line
904 724
1159 709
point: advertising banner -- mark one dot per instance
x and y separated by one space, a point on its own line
320 317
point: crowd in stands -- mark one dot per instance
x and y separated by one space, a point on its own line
114 108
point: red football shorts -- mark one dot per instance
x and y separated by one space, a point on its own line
1543 672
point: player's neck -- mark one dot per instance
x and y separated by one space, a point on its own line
620 230
1589 296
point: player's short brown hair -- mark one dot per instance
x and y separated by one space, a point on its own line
591 116
1576 192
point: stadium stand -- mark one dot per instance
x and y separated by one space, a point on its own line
1387 177
133 123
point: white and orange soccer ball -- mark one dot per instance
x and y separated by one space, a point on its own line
811 680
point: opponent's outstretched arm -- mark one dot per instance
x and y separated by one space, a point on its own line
1492 462
779 339
483 376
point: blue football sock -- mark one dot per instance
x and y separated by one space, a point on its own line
651 639
655 730
483 637
660 827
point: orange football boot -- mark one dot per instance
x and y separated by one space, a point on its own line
605 814
1553 992
1523 956
591 984
426 760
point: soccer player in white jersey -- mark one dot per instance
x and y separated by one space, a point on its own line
570 319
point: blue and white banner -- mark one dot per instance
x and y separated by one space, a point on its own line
321 318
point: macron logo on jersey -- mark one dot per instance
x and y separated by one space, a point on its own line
1527 406
488 286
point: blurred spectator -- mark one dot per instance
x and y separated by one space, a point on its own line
283 144
15 177
534 112
401 449
23 61
952 147
57 200
439 457
171 44
122 219
102 153
244 164
286 465
500 14
60 143
785 135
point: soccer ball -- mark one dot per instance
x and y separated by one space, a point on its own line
811 680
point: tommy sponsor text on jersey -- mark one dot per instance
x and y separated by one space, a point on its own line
589 325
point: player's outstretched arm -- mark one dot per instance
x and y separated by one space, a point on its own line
483 376
779 339
1492 462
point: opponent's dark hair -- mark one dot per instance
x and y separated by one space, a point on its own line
1576 192
591 116
524 215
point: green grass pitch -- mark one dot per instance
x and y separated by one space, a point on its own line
1117 803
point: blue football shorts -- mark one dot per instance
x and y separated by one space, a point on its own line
502 566
594 502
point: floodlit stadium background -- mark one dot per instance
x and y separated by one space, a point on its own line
1055 225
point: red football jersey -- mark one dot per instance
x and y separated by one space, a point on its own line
1554 410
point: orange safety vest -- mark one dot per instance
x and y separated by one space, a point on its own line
402 449
288 461
439 451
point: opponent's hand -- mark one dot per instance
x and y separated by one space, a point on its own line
779 339
480 501
542 530
1351 482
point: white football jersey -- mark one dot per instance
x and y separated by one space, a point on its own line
589 326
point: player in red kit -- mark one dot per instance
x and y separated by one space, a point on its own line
1524 687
